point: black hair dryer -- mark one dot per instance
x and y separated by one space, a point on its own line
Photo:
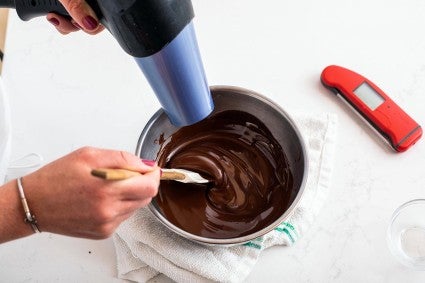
159 34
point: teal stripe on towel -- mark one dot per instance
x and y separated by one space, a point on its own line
290 226
280 229
252 245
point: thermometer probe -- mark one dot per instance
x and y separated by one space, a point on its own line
398 128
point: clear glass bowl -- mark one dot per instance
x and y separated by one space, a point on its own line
406 234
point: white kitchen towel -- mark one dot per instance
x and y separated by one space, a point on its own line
145 247
5 133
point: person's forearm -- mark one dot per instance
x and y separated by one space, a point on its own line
12 225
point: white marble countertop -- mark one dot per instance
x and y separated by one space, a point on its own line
76 90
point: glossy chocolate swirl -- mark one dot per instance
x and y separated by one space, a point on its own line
252 182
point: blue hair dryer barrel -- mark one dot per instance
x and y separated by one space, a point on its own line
177 77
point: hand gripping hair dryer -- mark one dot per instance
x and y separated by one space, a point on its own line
159 34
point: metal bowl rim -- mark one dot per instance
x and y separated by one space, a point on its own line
243 239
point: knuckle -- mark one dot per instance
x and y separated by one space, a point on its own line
151 189
106 231
145 202
61 31
126 157
74 6
86 152
104 215
103 204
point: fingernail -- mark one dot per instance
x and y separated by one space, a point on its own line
149 162
90 23
54 21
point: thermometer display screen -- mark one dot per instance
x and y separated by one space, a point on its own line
369 96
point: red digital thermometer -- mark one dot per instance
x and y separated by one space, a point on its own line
398 128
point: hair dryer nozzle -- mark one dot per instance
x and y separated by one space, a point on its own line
177 76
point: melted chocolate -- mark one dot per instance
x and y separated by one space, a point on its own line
252 181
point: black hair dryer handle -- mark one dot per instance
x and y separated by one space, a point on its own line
29 9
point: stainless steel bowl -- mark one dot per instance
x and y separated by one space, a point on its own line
274 117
